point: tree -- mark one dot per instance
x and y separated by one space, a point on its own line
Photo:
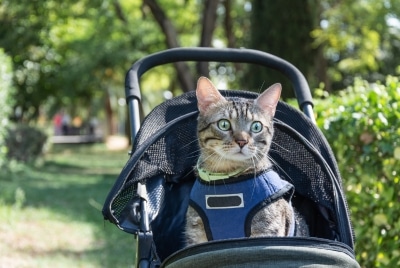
209 19
60 57
358 38
282 28
223 21
184 75
330 41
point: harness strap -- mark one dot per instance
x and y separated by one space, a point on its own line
236 201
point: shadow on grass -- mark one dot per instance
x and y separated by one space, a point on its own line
56 167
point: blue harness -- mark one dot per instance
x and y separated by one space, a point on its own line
224 202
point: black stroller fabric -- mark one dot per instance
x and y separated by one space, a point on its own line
165 152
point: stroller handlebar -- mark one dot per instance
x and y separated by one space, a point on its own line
242 55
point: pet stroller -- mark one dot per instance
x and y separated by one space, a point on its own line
150 197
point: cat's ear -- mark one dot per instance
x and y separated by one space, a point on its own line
207 94
269 99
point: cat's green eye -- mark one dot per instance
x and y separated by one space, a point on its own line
256 127
224 124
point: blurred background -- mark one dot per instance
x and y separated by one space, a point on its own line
64 123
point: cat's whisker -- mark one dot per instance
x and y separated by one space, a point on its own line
193 156
275 151
194 153
190 143
209 156
262 86
280 146
280 111
192 170
217 164
276 164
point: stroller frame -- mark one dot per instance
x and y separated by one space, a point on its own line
146 251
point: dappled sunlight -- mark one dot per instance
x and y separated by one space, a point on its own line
117 143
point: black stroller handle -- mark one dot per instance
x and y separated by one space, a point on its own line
242 55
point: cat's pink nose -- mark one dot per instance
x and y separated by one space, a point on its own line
241 143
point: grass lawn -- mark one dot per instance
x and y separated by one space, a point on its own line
51 215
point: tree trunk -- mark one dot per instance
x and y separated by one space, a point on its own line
119 12
208 22
229 31
111 125
185 78
282 28
228 24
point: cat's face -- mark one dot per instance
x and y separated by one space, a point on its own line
233 132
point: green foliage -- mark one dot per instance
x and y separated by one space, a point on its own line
25 143
362 126
6 90
76 53
359 38
59 55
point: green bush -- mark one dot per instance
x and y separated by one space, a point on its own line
25 143
5 101
362 125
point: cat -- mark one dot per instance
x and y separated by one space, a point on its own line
234 136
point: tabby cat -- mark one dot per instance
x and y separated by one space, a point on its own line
234 136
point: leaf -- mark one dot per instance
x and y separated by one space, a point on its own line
397 153
383 119
380 219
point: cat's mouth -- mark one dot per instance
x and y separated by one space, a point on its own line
240 153
235 153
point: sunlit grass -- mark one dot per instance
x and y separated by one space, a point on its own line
51 215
